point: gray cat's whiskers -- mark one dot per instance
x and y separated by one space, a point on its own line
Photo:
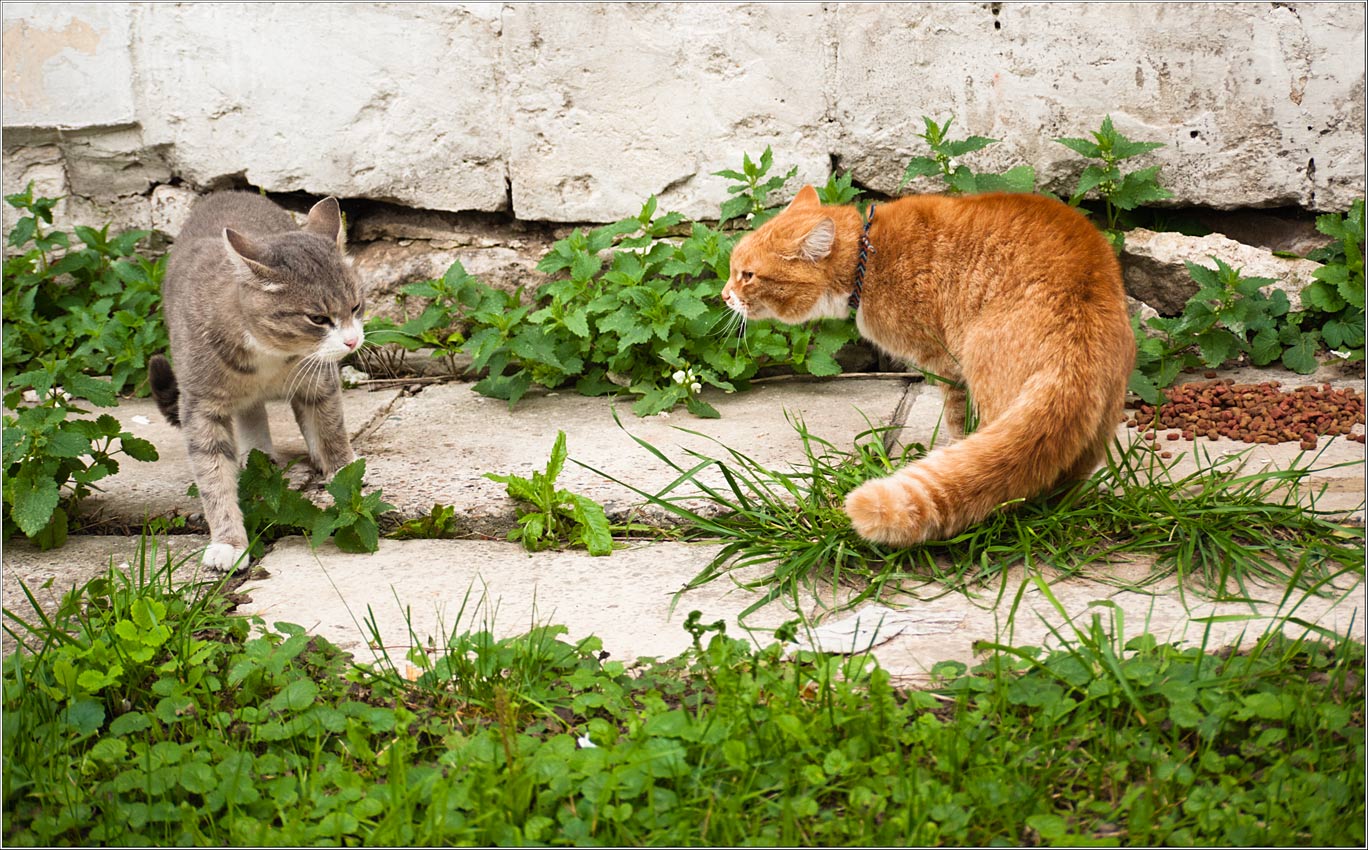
303 371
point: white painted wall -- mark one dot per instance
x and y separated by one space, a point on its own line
578 112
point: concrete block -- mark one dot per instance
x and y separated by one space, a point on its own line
610 104
68 65
140 491
394 102
436 447
425 592
420 589
1258 105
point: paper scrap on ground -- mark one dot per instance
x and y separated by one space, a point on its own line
875 625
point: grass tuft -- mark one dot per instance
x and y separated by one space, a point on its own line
1220 529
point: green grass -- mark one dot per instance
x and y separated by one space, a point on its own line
149 715
1221 529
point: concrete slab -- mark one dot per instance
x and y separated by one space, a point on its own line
49 575
421 592
435 587
140 491
437 446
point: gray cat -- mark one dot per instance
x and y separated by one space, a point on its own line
256 309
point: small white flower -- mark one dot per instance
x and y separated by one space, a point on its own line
664 414
585 743
953 163
679 377
142 420
695 387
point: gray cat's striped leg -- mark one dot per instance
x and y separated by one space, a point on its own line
325 434
213 457
253 432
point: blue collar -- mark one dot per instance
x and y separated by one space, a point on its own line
865 250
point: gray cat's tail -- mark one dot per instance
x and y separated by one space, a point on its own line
164 388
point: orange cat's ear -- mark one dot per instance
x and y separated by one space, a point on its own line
817 244
806 197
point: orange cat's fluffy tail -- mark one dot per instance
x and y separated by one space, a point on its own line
1030 447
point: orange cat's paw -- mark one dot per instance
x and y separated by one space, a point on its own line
890 512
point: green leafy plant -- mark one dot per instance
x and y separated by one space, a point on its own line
439 524
945 162
142 713
1227 317
631 308
90 301
271 508
752 189
1333 302
557 516
52 460
1120 192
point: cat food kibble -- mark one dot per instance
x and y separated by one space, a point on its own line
1254 413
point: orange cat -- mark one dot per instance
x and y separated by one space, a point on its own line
1018 297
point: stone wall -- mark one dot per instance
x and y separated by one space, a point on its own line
578 112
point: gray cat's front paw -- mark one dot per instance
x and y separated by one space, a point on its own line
224 557
329 469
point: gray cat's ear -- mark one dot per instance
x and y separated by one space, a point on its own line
817 244
806 197
249 257
325 219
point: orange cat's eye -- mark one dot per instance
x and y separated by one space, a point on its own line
746 276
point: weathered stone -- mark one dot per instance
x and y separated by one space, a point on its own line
1257 105
40 165
611 104
303 98
141 491
170 208
463 435
1153 264
68 65
579 112
387 266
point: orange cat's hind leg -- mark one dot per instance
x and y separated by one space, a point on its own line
955 411
1096 450
894 511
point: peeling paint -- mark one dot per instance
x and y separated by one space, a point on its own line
28 50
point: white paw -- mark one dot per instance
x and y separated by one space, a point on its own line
224 557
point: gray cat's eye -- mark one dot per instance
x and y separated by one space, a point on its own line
321 320
357 308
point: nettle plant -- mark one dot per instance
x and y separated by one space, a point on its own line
1333 302
91 301
1120 192
1228 316
72 310
52 461
631 304
945 162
